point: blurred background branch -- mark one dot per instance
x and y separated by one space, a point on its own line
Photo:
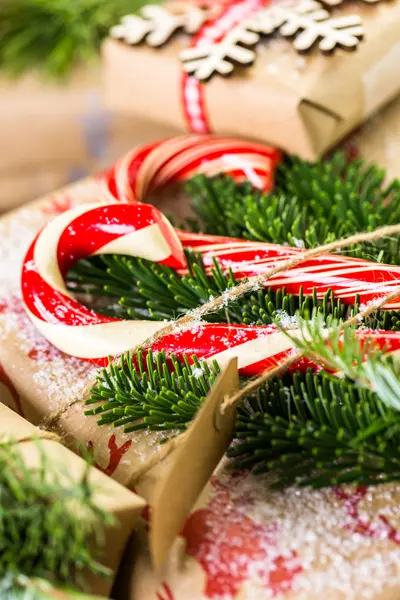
53 36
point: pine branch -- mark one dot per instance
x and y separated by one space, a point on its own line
55 35
148 290
48 526
318 430
312 204
321 429
132 288
151 392
311 429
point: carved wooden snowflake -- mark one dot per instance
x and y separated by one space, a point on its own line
306 22
204 61
157 24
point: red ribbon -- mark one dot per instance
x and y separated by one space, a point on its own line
232 13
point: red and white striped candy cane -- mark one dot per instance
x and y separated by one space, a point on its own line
347 277
141 230
148 168
258 348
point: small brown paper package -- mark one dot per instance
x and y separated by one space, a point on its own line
243 540
53 134
108 495
302 104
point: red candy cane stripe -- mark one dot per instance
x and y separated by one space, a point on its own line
141 230
151 167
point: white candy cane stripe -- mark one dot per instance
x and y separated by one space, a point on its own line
151 167
141 230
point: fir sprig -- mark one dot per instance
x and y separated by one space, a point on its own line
47 527
318 430
133 288
312 204
55 35
145 289
151 392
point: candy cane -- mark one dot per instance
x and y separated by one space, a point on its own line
347 277
148 168
141 230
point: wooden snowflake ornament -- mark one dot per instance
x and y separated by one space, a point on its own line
204 61
307 23
156 25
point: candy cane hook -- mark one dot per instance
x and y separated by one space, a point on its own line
87 231
148 168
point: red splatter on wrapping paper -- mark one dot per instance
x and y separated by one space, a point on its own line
165 593
380 528
232 547
115 455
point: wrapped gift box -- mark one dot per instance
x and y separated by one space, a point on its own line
303 104
243 540
53 134
124 506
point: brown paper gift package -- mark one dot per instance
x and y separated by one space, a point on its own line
244 540
54 133
125 506
303 105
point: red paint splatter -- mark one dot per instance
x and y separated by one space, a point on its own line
382 529
166 593
4 378
4 306
116 454
57 205
45 353
231 546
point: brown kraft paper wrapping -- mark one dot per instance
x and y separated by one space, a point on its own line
54 133
109 495
244 540
302 104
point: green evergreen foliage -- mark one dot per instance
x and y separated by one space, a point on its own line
151 393
310 428
321 429
55 35
318 430
312 204
47 528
